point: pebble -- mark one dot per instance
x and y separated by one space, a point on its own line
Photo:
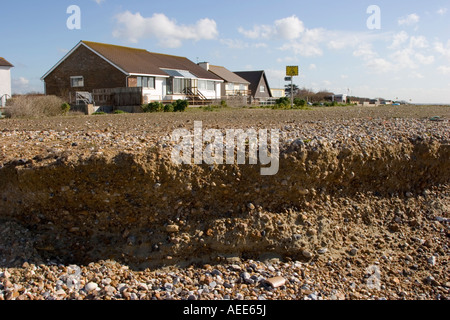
432 261
276 282
172 228
91 286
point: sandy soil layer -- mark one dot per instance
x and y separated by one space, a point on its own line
360 192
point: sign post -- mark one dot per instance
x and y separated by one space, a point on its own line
291 72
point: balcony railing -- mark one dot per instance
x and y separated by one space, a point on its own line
238 93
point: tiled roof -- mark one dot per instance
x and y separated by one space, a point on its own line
5 63
227 75
254 77
140 61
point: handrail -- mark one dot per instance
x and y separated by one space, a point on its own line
1 99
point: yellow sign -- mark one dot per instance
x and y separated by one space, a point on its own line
292 71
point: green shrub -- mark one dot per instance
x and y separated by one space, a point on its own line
98 113
119 112
153 107
180 105
65 108
223 104
168 108
210 108
299 103
283 101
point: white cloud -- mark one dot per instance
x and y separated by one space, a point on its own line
416 75
258 32
20 85
399 39
312 66
445 70
133 27
409 20
442 11
424 59
308 45
403 59
287 29
239 44
365 52
20 81
380 65
444 50
99 1
418 42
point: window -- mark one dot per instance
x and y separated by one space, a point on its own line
77 82
262 89
206 85
230 86
146 82
177 85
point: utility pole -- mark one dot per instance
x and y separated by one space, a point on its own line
291 72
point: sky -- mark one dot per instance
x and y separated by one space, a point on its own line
396 49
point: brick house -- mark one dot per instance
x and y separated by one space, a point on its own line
5 81
110 72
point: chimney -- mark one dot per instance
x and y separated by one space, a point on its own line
204 65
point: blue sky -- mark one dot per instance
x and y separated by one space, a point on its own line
407 57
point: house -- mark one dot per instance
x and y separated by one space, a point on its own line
278 93
107 74
233 84
340 98
375 102
5 81
259 86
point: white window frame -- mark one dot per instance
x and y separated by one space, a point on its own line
146 80
262 89
77 78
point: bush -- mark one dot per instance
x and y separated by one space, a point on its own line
34 107
168 108
119 112
98 113
153 107
65 108
299 103
180 105
283 101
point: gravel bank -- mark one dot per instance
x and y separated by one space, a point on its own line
94 209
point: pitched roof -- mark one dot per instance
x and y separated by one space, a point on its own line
5 63
132 61
254 77
227 75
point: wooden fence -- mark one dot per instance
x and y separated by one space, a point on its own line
118 97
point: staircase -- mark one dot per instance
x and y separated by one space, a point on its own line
84 98
196 97
3 99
